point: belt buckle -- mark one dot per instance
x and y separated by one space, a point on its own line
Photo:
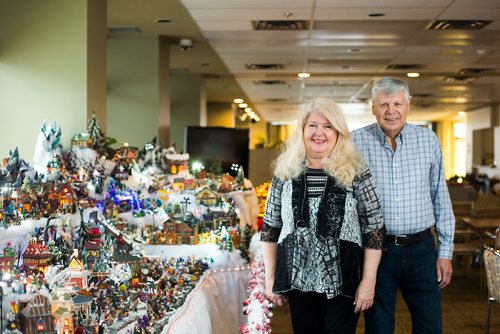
396 239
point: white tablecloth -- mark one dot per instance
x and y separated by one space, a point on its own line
214 306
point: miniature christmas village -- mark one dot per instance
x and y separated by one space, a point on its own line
97 238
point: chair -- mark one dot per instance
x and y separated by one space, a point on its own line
492 266
466 246
462 199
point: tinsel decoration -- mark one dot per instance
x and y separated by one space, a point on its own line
257 307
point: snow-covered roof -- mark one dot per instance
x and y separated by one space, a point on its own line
184 156
79 299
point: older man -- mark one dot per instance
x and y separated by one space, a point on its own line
407 164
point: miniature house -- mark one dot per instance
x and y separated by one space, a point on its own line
7 260
64 195
182 231
36 316
206 196
62 310
93 252
177 163
36 256
82 305
77 274
81 140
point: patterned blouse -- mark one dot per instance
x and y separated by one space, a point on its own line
321 229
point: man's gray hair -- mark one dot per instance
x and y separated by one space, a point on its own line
389 86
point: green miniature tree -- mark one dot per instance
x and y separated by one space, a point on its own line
240 176
216 168
245 242
95 132
228 244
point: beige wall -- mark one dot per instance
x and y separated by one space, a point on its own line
164 90
96 60
478 119
43 70
260 165
132 111
188 105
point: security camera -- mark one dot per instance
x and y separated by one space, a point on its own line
185 44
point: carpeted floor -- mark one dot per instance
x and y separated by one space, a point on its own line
464 310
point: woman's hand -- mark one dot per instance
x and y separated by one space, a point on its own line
364 295
271 296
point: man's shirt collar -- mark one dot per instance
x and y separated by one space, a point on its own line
382 136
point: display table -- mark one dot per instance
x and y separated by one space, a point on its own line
215 304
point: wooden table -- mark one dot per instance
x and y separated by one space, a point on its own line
482 224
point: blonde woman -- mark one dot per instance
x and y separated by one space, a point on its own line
323 228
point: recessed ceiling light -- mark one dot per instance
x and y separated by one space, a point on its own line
163 21
238 100
242 105
412 74
461 113
376 14
304 75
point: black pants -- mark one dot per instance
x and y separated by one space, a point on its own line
313 313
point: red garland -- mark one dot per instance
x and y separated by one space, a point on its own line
256 307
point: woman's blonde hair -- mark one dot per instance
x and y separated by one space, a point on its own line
343 163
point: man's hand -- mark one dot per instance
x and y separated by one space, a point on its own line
444 271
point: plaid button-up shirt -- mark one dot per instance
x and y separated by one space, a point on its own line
410 181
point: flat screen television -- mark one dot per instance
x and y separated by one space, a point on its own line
211 144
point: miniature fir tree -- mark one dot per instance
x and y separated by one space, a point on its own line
240 176
111 189
245 242
216 168
95 132
228 244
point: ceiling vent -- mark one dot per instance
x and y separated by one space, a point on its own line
474 71
458 25
280 25
269 82
124 30
463 79
404 67
264 66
